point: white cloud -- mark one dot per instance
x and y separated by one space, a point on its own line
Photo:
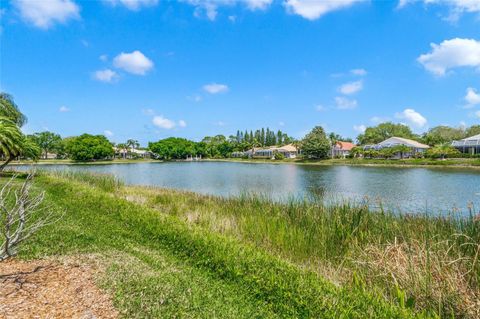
457 7
108 133
133 4
344 103
313 9
403 3
214 88
359 72
477 114
135 62
163 122
472 97
182 123
412 117
258 4
451 54
63 109
359 128
106 75
321 108
45 13
351 88
209 8
103 57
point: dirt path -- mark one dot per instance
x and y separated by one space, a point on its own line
47 289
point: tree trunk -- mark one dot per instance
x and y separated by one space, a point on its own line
2 167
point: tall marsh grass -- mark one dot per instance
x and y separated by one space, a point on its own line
105 182
422 261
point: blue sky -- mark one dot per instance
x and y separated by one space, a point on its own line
150 69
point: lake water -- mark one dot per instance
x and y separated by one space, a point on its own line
406 189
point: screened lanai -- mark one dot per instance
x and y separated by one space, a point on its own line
469 145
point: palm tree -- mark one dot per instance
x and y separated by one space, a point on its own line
334 138
443 150
402 149
10 137
10 110
133 144
14 144
253 144
123 147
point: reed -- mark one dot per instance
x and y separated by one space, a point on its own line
429 261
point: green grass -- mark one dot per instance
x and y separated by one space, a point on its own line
453 162
72 162
431 261
160 266
179 254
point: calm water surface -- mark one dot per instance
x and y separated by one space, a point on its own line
407 189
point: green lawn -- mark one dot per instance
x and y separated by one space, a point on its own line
453 162
176 254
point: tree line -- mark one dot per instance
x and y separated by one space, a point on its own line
316 144
435 136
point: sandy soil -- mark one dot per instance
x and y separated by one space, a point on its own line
49 289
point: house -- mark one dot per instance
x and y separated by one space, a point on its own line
469 145
415 147
131 153
289 151
342 149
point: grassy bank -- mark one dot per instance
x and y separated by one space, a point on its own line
180 254
412 162
71 162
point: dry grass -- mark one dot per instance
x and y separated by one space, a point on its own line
435 265
426 276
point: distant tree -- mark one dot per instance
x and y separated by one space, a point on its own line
48 142
383 131
123 148
287 139
316 144
279 137
173 148
132 144
88 147
443 134
442 151
356 152
401 149
472 130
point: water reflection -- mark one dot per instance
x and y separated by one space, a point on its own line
406 189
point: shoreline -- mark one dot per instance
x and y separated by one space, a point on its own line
409 163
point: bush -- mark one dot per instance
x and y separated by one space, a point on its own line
279 156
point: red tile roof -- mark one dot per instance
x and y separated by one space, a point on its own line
345 146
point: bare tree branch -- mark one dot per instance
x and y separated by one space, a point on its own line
21 215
